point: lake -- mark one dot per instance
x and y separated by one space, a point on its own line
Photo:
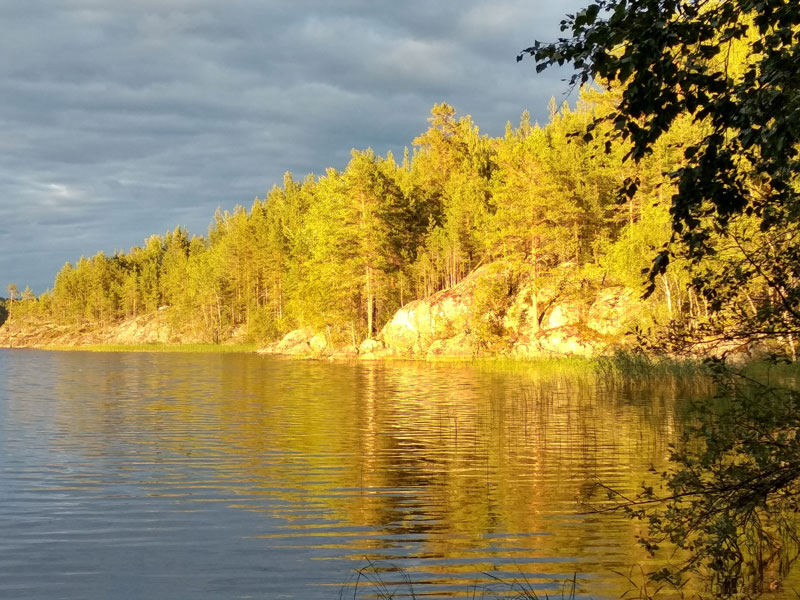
200 476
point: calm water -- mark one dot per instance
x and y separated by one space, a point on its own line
196 476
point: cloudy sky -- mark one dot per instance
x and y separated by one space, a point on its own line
123 118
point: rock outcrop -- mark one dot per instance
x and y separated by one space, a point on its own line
488 313
455 323
296 342
426 324
146 329
458 346
306 343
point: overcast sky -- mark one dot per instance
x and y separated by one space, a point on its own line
123 118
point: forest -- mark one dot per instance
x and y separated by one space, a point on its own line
342 251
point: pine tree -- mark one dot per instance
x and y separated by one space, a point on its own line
13 291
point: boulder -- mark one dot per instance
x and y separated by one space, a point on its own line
407 326
565 341
300 349
444 315
319 343
563 314
295 342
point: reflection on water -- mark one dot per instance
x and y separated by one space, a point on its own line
240 476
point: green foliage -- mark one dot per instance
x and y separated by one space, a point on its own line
729 70
733 491
717 84
630 366
674 59
450 179
492 298
343 251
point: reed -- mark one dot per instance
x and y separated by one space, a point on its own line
622 366
519 588
639 366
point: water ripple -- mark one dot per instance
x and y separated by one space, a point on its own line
225 476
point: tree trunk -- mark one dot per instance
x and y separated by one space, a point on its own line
370 304
667 294
534 291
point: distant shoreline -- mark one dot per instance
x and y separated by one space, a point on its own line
627 367
154 348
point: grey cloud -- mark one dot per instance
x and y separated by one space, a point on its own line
123 118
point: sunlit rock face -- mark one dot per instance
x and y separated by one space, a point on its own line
577 327
488 313
296 342
453 323
540 323
458 346
152 328
564 314
318 343
613 311
430 323
142 331
561 341
403 332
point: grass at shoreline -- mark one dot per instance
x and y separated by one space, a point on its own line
621 366
164 348
617 367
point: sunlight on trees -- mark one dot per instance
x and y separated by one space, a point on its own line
719 81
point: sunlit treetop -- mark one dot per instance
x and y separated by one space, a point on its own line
678 57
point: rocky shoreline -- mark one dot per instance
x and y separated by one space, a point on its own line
454 323
145 329
443 326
